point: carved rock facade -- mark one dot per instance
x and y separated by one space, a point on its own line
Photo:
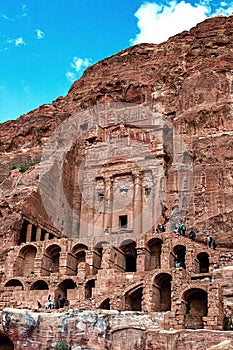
80 222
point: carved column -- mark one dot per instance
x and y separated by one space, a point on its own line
46 236
142 258
90 261
38 234
63 268
137 204
106 258
108 203
29 233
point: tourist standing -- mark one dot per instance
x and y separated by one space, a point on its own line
209 241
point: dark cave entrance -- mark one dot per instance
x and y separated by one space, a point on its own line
6 343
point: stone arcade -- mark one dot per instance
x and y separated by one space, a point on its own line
116 259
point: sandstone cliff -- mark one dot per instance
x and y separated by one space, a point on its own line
188 79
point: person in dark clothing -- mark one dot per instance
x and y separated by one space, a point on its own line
61 303
160 228
209 241
214 244
192 235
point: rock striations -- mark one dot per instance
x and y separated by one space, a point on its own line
186 81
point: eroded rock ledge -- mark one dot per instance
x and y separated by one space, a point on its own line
105 330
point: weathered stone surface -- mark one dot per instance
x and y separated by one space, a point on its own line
188 79
186 83
105 330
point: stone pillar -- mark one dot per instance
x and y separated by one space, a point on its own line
29 233
147 295
167 261
46 236
108 203
90 261
142 257
189 260
37 265
63 268
137 212
106 258
214 320
38 234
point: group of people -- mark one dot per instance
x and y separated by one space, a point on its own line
181 230
49 305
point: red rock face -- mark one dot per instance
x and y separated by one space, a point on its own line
187 82
105 330
188 79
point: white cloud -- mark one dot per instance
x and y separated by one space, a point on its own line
24 10
39 34
19 41
225 10
158 22
70 76
78 65
3 16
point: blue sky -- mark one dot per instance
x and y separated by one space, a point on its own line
46 44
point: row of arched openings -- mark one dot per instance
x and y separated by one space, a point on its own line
155 250
161 295
25 262
61 289
195 299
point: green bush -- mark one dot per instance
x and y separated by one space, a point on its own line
61 345
23 168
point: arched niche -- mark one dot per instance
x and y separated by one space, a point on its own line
161 299
88 288
62 290
79 251
203 262
14 284
97 258
105 305
196 300
39 285
128 247
51 259
133 299
24 264
155 249
179 252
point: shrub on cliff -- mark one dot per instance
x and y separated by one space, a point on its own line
62 346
